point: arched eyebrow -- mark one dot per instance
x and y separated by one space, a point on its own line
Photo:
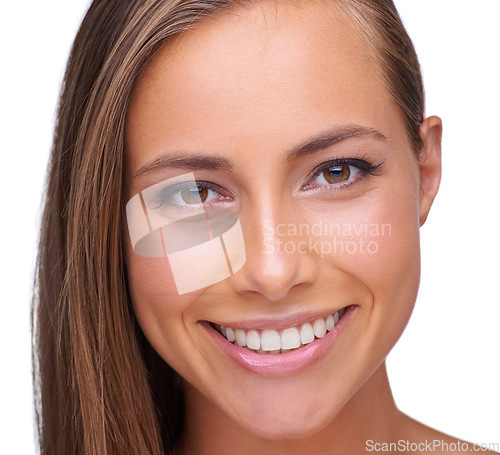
187 161
310 146
329 138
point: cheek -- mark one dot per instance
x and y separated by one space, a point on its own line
389 267
149 277
393 273
162 314
377 245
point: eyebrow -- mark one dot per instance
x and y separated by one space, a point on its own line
329 138
185 161
315 144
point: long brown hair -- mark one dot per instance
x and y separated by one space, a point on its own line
99 386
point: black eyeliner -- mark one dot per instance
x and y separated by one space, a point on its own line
366 167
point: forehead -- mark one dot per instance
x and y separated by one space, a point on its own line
269 73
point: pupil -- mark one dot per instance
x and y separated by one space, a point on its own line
336 171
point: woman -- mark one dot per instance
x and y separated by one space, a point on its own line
296 126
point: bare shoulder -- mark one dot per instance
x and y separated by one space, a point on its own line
429 441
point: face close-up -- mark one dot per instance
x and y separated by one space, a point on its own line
319 168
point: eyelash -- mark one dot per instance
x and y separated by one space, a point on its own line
364 166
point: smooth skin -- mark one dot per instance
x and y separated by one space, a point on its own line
249 86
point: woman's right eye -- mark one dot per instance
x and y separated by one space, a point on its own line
189 196
193 195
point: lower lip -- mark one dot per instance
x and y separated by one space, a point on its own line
276 365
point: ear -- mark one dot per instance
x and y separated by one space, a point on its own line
431 131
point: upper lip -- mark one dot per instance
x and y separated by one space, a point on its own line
276 322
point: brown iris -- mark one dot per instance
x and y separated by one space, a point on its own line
194 195
337 174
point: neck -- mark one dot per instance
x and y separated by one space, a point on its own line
370 414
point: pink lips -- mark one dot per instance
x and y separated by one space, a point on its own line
275 365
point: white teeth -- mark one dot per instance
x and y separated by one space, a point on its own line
330 323
253 339
290 338
306 333
241 338
270 340
319 328
230 335
274 342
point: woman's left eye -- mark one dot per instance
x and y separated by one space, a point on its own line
337 174
341 172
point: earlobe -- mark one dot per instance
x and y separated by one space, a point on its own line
429 164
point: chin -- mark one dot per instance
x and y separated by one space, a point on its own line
289 418
287 427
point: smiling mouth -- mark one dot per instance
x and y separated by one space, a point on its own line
281 341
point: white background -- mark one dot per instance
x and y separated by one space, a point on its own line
445 370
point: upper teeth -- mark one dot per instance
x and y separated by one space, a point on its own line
275 342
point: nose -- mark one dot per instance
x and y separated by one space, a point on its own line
276 261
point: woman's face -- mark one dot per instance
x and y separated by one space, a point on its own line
273 93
